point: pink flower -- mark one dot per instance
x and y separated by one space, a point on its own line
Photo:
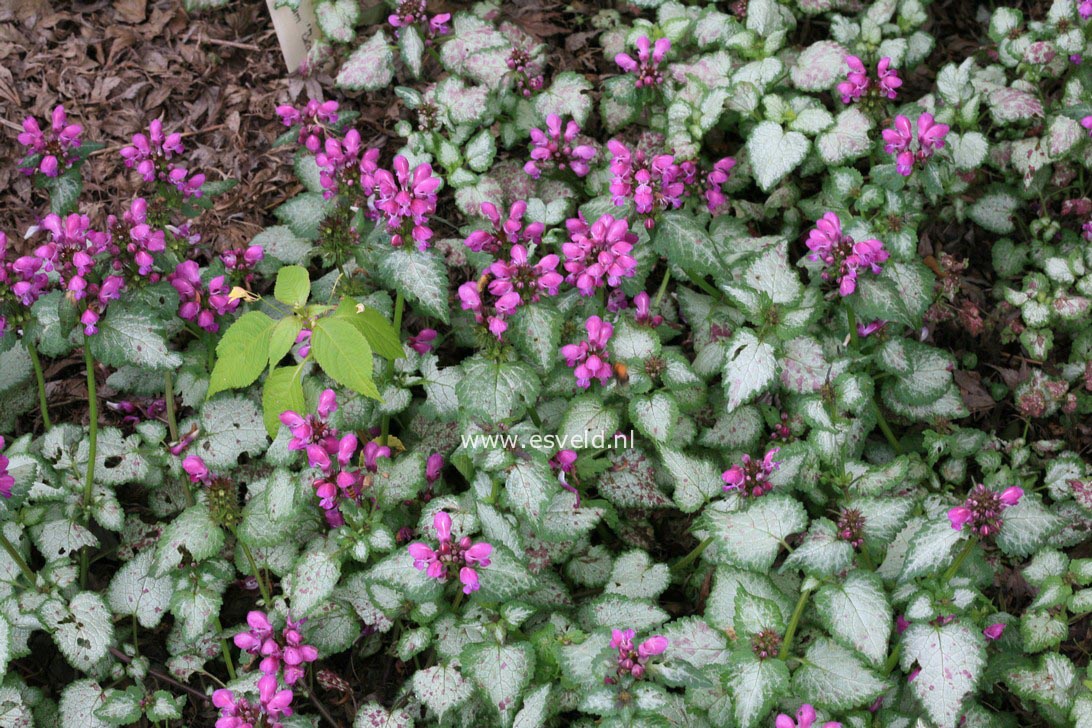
407 199
433 467
857 82
553 149
197 470
197 305
527 281
598 255
314 119
422 341
56 146
462 557
631 662
409 13
841 256
899 141
983 508
714 181
653 183
506 233
805 718
649 57
994 631
7 481
753 476
901 624
589 358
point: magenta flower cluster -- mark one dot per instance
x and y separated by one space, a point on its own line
333 454
752 477
590 359
407 198
196 302
983 508
505 233
55 146
805 718
345 163
7 481
646 67
512 283
899 140
288 653
858 83
238 712
528 74
631 661
842 258
554 149
463 557
150 155
598 255
658 182
141 240
314 120
409 13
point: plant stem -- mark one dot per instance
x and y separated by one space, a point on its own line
265 590
92 447
399 305
168 398
223 646
136 640
458 600
319 706
791 631
534 417
893 660
967 549
43 405
704 285
851 319
886 428
158 675
17 558
662 289
693 555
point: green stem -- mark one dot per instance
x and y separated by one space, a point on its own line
93 441
266 592
458 600
43 405
399 305
886 428
893 660
168 398
967 549
223 645
866 560
534 417
663 289
704 285
136 640
693 555
851 318
17 558
786 645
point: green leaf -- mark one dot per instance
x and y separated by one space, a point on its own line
192 532
902 293
755 686
79 701
1026 526
283 337
683 240
293 286
131 335
835 678
502 672
495 390
774 153
83 631
313 579
122 707
370 67
419 276
536 332
654 415
752 538
857 614
242 353
379 332
282 391
441 688
951 659
344 354
528 488
163 706
750 367
134 590
303 214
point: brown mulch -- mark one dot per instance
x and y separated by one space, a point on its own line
118 64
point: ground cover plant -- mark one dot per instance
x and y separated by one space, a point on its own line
736 373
